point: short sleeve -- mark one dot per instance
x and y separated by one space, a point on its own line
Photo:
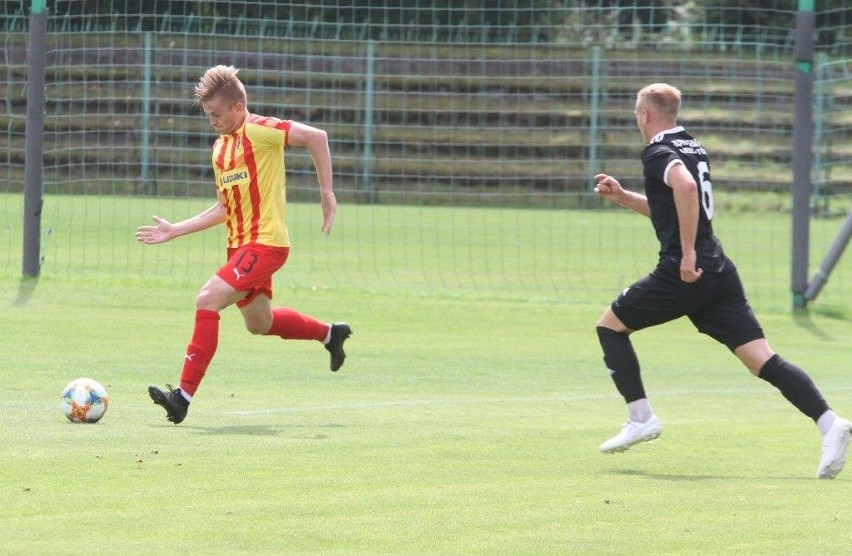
659 160
276 131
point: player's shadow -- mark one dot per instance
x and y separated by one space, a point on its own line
255 430
681 478
665 476
240 430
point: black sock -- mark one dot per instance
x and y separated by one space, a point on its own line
620 359
795 385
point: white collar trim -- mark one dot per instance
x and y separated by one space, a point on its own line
659 137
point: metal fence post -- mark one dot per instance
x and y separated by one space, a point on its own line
146 113
367 193
34 161
802 142
594 112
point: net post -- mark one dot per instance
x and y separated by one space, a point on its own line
367 193
835 251
594 115
802 156
146 113
34 161
819 197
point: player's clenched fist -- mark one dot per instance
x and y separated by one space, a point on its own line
607 186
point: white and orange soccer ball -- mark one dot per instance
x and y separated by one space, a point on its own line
84 401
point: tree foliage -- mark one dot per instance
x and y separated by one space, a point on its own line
522 21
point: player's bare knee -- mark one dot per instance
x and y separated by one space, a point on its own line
753 364
754 355
256 330
612 322
258 327
204 300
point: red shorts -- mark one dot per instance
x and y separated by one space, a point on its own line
250 269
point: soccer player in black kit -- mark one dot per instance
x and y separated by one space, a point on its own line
695 279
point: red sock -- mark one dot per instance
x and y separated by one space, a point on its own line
292 325
200 351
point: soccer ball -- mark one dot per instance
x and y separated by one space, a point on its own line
84 401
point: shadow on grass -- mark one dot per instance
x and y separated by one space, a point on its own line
25 290
666 476
803 320
672 477
240 430
255 430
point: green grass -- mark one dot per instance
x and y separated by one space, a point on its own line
574 256
464 422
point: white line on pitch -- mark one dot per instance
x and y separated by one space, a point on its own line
396 403
473 401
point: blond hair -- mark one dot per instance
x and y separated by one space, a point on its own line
220 81
663 98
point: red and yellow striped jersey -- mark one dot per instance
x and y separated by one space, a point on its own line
249 169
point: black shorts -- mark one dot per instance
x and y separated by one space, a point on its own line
715 303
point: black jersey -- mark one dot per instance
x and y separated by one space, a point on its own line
661 154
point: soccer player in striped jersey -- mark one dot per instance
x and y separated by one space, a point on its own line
693 278
248 165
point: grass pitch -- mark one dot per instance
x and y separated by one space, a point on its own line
457 425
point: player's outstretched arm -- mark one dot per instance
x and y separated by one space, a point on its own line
164 230
608 187
316 141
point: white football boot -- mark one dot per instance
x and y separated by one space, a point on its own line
835 443
633 432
